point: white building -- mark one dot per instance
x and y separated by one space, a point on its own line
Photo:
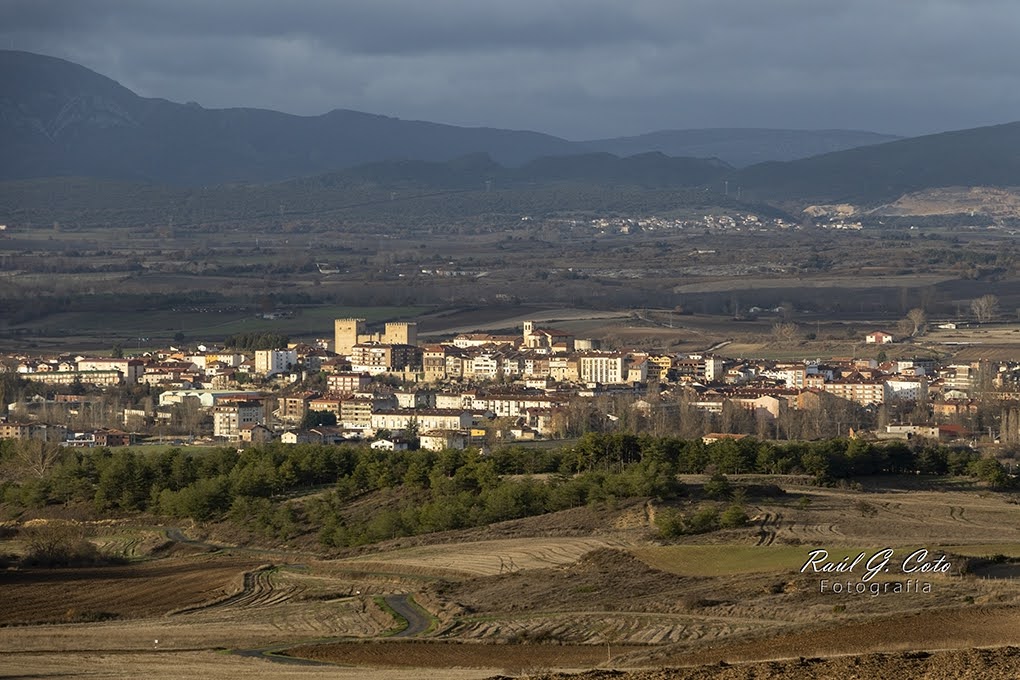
272 361
131 369
714 369
878 338
905 388
440 440
605 369
425 419
206 398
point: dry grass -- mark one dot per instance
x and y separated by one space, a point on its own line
482 558
606 582
942 629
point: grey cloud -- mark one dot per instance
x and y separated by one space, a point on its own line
572 67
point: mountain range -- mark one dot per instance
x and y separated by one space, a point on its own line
58 118
741 147
985 156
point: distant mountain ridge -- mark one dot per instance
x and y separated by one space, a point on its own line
62 119
741 146
479 171
985 156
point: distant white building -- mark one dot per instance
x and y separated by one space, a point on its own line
206 398
906 388
878 338
440 440
269 362
131 369
606 369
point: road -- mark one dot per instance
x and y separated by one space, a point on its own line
417 621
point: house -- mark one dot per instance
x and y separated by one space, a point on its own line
15 430
878 338
713 437
950 408
441 440
951 432
465 340
109 437
297 437
390 444
909 431
256 433
328 404
332 435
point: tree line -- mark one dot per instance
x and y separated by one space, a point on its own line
426 491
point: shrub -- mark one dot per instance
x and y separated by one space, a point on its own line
704 520
733 517
59 545
670 523
718 487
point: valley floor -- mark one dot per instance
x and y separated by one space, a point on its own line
580 589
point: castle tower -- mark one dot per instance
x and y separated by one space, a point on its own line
401 334
345 334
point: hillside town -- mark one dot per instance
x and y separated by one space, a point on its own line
476 389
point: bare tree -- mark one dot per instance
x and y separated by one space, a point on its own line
919 320
985 308
36 458
785 333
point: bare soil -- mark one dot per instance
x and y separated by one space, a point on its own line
513 657
128 591
971 664
553 592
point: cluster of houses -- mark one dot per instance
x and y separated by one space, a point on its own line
388 387
737 223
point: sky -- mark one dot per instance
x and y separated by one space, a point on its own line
579 69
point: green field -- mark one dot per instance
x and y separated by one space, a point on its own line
986 549
158 326
730 560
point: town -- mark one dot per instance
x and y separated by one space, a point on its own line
479 389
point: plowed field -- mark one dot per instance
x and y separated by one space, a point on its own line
514 658
129 591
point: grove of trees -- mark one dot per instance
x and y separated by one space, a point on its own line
429 491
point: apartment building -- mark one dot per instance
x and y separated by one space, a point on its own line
229 418
270 362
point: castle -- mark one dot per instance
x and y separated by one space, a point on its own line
350 332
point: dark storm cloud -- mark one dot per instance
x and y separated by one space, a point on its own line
572 67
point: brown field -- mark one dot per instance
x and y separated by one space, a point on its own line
848 282
130 591
513 657
926 630
549 592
